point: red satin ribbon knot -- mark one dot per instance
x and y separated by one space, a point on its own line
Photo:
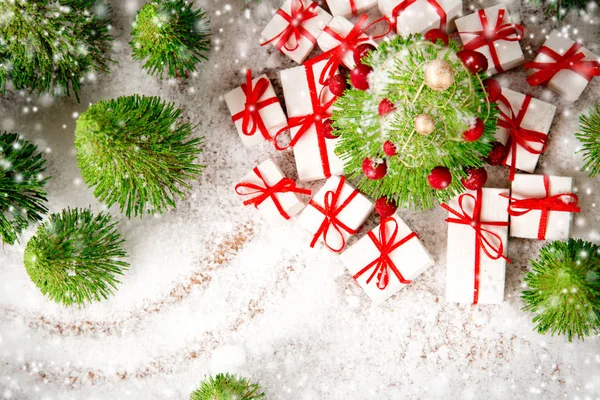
294 29
519 135
330 210
483 237
566 202
285 185
400 8
489 35
382 263
572 60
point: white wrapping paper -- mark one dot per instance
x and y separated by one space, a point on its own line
421 16
342 26
343 7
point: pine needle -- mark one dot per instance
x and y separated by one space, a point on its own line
589 136
227 387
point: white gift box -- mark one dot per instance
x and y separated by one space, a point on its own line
348 210
270 118
567 83
420 16
529 223
507 54
345 9
312 27
463 285
269 175
538 117
410 259
312 151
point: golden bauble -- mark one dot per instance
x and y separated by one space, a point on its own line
424 124
439 75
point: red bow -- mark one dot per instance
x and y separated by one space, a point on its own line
519 135
331 210
251 119
571 60
483 237
487 36
285 185
400 8
384 262
566 202
294 28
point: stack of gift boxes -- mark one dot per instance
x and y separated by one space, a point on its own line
391 256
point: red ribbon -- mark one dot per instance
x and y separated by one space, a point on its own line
330 210
566 202
483 237
572 60
400 8
285 185
353 7
294 29
519 135
487 36
385 246
251 119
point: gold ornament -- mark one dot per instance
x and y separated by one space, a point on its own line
439 75
424 124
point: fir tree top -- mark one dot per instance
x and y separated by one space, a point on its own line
227 387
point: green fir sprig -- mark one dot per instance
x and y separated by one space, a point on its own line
589 136
22 181
564 289
227 387
171 36
136 153
74 257
562 7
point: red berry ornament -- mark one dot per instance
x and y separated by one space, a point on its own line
474 132
361 51
476 178
493 89
497 154
389 148
439 178
374 170
434 35
385 207
473 60
359 76
337 85
386 107
327 129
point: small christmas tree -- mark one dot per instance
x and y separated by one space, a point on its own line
170 36
589 136
73 257
565 289
416 119
51 46
227 387
22 194
136 153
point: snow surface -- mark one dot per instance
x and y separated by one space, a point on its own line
214 288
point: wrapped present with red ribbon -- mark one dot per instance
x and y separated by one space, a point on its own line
491 33
255 110
295 27
267 189
564 65
419 16
523 127
335 213
387 259
350 8
309 104
477 241
541 207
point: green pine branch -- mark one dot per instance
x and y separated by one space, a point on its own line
74 257
22 181
51 46
564 289
227 387
589 136
171 37
136 153
562 7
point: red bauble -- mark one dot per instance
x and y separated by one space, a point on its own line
476 178
386 107
337 84
497 154
389 148
385 207
359 76
493 89
374 170
439 178
474 132
360 51
473 60
327 129
436 34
